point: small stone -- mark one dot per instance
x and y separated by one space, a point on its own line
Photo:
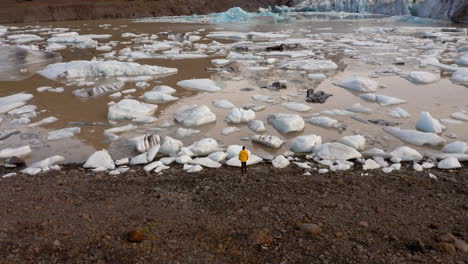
461 245
312 229
339 235
135 236
364 224
56 243
418 246
260 237
449 238
444 247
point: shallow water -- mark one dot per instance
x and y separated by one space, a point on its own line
440 99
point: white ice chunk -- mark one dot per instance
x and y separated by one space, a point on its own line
359 84
460 76
357 142
100 159
298 107
323 122
256 126
220 62
399 113
316 76
18 152
185 132
46 163
286 123
44 121
427 123
146 142
164 89
358 108
206 85
420 77
63 133
269 141
93 69
130 109
383 100
370 165
335 151
206 162
223 103
449 163
170 146
156 97
205 147
308 65
239 115
460 116
415 137
218 156
406 154
229 130
194 115
262 98
455 147
305 143
280 162
235 162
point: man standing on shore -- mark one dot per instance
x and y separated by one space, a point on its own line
243 157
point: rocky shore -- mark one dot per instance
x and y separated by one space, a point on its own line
219 216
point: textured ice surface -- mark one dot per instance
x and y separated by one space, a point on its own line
130 109
415 137
194 115
206 85
286 123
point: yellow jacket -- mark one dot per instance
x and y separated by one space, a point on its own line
243 156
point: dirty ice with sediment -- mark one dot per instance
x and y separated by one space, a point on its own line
331 87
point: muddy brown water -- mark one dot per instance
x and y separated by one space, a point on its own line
441 99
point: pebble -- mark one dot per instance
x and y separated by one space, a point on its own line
444 247
312 229
461 245
364 224
260 237
135 236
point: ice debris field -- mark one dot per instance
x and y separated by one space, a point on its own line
321 91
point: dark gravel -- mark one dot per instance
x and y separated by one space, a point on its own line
218 216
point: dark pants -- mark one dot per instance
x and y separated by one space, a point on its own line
244 167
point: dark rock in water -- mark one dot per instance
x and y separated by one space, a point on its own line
317 97
360 119
247 89
222 69
79 123
15 161
8 133
276 86
382 122
283 47
98 90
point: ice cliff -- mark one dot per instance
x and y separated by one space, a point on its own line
455 10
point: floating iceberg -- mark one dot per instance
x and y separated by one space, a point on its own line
335 151
206 85
420 77
164 89
415 137
428 124
239 115
194 115
405 154
262 98
63 133
18 152
383 100
358 108
256 126
170 146
308 65
398 112
455 147
323 122
238 15
229 130
359 84
269 141
205 147
156 97
305 143
357 142
11 102
298 107
223 103
95 69
286 123
460 116
181 132
146 142
460 76
130 109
